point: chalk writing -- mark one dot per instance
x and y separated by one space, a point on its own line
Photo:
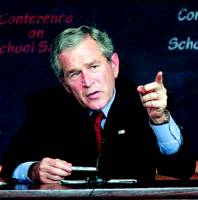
188 44
185 15
32 46
5 18
12 48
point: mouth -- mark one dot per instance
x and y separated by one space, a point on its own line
93 95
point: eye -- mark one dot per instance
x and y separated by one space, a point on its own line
94 67
74 75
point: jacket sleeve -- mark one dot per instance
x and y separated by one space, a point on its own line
179 165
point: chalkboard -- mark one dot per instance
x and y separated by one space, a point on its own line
148 35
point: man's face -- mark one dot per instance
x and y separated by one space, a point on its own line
88 75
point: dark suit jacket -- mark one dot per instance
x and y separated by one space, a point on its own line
57 126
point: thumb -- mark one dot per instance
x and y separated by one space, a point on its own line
159 77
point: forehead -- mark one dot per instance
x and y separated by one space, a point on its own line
85 52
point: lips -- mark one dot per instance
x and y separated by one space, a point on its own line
93 95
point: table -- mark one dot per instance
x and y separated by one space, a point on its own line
156 190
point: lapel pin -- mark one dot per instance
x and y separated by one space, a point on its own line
121 132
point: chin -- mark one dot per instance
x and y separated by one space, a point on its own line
96 105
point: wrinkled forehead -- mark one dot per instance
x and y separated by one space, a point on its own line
85 53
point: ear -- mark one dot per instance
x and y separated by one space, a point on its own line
65 85
115 64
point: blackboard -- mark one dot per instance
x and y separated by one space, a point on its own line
148 35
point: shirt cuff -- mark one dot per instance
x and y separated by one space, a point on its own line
21 172
168 136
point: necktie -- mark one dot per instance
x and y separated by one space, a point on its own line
97 118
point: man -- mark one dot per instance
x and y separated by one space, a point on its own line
57 133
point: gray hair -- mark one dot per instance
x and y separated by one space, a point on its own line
71 37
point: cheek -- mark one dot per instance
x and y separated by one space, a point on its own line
75 88
109 76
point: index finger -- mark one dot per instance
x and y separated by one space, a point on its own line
61 164
150 87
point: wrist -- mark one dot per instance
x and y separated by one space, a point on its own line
32 172
162 119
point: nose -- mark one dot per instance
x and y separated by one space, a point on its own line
86 79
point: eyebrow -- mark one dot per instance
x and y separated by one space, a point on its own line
72 71
94 62
91 63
